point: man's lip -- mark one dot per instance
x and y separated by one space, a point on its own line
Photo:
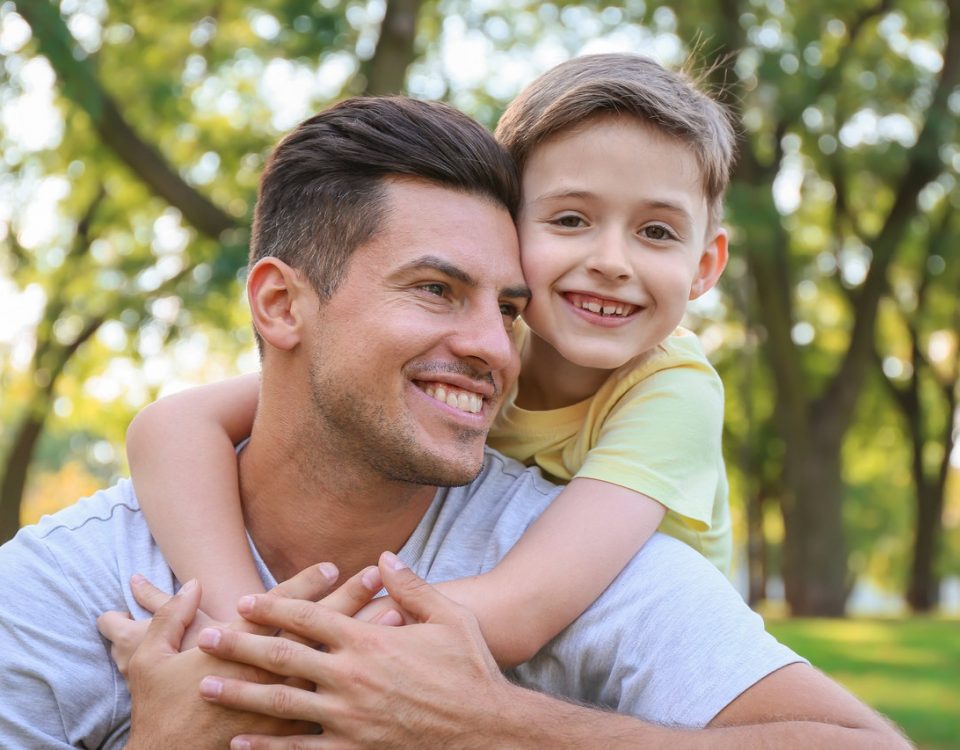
485 389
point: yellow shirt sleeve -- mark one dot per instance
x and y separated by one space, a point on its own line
663 438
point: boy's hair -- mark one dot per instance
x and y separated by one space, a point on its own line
568 95
322 193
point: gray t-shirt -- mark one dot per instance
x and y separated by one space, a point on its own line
669 641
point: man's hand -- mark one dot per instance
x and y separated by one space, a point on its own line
404 687
167 710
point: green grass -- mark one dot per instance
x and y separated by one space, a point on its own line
907 669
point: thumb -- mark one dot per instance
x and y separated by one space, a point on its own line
172 619
414 594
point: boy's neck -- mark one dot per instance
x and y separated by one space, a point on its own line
549 381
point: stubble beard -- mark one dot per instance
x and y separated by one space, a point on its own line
361 433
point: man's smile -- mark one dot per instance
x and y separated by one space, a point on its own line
457 398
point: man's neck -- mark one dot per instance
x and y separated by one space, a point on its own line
299 517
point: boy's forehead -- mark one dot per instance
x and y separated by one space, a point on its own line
566 163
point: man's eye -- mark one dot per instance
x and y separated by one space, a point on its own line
658 232
436 289
509 310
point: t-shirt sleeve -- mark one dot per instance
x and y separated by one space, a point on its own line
663 438
58 683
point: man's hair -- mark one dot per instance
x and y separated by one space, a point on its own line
567 96
322 193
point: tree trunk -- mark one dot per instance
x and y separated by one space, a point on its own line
923 593
386 71
16 467
756 550
814 554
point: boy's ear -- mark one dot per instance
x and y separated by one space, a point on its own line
713 260
276 293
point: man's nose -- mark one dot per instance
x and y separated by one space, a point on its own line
610 256
482 337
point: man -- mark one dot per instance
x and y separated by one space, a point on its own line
384 261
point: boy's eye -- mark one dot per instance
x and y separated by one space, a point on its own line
658 232
569 221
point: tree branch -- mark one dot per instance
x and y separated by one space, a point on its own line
81 85
923 166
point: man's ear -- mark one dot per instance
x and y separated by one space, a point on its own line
276 293
713 260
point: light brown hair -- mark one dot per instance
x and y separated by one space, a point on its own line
567 96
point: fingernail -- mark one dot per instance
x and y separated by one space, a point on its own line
329 571
209 638
136 579
393 561
371 579
245 603
240 744
211 687
391 618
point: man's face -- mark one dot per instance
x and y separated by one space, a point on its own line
410 357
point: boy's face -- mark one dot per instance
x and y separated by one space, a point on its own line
614 240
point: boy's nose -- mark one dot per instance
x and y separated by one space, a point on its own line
610 258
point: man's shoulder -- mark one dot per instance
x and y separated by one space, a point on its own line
90 547
503 479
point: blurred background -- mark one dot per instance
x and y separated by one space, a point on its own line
133 135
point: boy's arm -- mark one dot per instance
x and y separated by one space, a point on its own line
184 469
595 527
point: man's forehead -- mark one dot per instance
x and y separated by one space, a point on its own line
468 236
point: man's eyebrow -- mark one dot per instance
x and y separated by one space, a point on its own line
521 291
517 292
443 266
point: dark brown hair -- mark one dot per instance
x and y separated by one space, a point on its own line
322 192
568 95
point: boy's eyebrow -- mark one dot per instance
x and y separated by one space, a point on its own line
585 194
458 274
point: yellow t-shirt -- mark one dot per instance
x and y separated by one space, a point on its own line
654 427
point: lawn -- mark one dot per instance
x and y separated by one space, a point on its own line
907 669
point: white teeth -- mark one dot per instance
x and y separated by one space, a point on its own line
461 400
609 308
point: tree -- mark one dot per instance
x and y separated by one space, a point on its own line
799 74
926 390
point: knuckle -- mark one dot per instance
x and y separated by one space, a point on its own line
280 653
301 617
282 701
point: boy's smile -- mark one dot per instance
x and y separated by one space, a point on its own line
614 241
